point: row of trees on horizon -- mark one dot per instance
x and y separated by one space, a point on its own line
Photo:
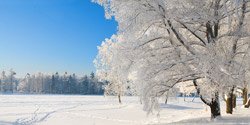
56 83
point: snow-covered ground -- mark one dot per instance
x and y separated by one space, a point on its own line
99 110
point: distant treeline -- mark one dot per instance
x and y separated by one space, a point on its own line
50 84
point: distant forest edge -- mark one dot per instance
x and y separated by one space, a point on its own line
50 84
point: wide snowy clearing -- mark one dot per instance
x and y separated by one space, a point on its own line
100 110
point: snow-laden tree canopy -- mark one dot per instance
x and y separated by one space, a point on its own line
112 68
173 41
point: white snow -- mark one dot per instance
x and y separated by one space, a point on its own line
99 110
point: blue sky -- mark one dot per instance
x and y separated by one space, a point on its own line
51 35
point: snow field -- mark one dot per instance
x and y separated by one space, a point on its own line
100 110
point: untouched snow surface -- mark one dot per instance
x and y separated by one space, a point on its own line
99 110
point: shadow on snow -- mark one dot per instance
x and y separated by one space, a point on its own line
176 107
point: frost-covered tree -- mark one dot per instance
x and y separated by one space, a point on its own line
24 84
11 82
107 69
111 67
73 84
83 83
57 81
66 84
8 82
173 41
3 81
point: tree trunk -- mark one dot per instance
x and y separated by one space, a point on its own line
234 101
215 106
245 95
247 105
119 98
230 101
166 101
229 106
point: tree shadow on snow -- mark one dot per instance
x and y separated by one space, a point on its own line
6 123
176 107
219 121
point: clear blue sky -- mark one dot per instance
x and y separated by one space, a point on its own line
51 35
